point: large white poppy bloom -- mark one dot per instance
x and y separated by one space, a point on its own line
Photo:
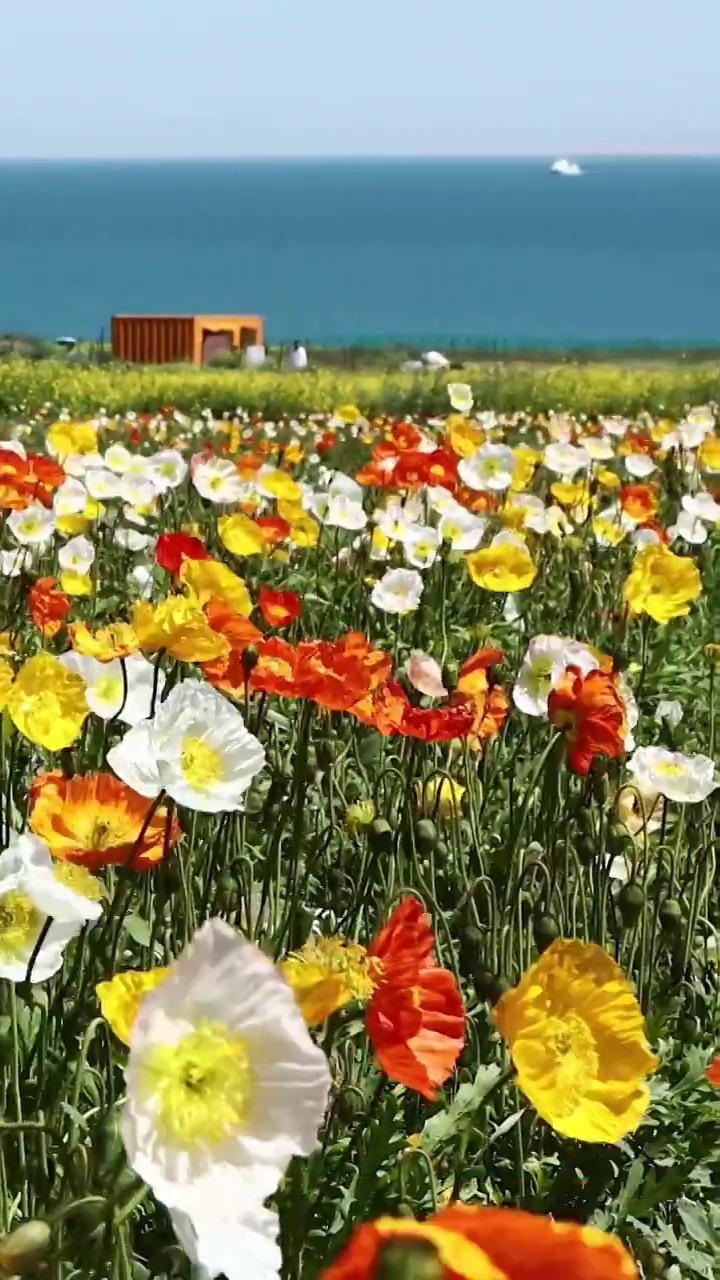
224 1083
34 525
78 554
490 467
398 591
685 779
32 888
196 748
216 479
546 660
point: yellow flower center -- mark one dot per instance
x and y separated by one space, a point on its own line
576 1058
108 688
203 1084
79 880
31 526
668 768
19 924
201 764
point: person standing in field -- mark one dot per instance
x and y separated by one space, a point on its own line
298 358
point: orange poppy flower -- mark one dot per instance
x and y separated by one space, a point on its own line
712 1071
339 673
227 673
472 676
415 1019
591 712
97 819
274 528
47 606
405 436
276 669
639 501
472 1242
26 480
375 474
278 608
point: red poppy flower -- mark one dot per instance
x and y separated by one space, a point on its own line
276 667
405 436
278 608
173 548
339 673
639 501
326 442
47 606
415 1019
591 712
274 528
712 1072
470 1241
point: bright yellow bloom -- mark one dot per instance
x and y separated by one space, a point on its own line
348 413
294 453
178 625
304 531
76 584
278 484
121 997
662 584
527 460
440 795
359 815
709 453
576 1036
116 641
241 535
326 974
504 566
7 675
570 493
609 531
212 580
47 703
661 428
203 1084
463 437
64 438
608 479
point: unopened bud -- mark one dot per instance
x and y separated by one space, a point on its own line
409 1260
25 1248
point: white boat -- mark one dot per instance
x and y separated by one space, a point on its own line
566 168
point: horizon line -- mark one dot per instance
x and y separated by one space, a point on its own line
328 157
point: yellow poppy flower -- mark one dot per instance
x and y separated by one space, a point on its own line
76 584
662 584
121 997
116 641
463 437
294 453
178 625
47 703
570 493
304 531
504 566
326 974
278 484
7 675
527 460
212 580
576 1036
440 795
709 453
241 535
64 438
608 479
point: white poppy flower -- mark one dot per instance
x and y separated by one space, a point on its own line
421 546
398 591
512 613
397 519
702 506
550 520
240 1247
15 562
137 490
669 711
566 459
131 539
463 530
345 513
689 528
117 458
33 526
224 1084
70 499
196 748
442 501
102 484
461 396
542 667
639 465
141 581
644 537
597 447
105 689
216 479
425 675
683 778
78 555
25 894
167 469
489 467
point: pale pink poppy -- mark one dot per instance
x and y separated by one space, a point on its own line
425 675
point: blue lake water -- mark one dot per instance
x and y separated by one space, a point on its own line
425 252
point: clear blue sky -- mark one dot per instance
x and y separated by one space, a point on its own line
377 77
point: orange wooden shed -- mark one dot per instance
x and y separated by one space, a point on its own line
178 339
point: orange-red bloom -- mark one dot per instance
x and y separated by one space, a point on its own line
639 501
712 1072
97 819
274 528
415 1018
338 673
278 608
488 1243
276 669
26 480
172 548
591 712
47 606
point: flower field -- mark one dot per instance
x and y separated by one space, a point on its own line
359 904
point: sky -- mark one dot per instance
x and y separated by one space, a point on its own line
216 78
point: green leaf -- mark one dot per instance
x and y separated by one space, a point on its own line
139 930
444 1125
